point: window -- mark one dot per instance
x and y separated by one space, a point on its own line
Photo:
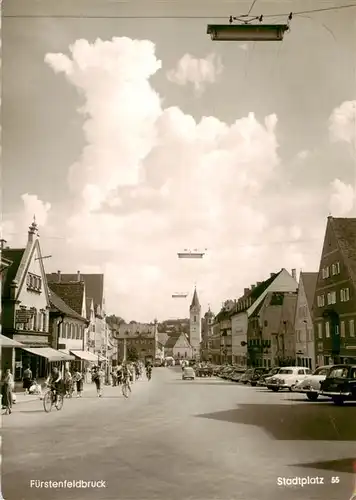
331 298
327 329
345 294
320 330
325 272
321 371
342 328
337 330
195 318
321 300
352 327
285 372
337 266
300 372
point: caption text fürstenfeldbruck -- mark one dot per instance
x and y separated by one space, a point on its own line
79 483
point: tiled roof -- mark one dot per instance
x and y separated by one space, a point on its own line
94 284
88 302
259 307
345 233
162 337
171 342
195 300
309 284
71 293
15 256
256 292
59 304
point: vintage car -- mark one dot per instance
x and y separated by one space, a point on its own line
226 372
263 380
237 374
288 377
311 385
246 376
256 375
340 384
204 371
188 373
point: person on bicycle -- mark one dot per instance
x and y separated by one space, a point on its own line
54 381
148 370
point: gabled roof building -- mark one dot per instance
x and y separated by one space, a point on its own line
334 306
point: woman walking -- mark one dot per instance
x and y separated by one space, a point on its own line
97 381
6 391
78 381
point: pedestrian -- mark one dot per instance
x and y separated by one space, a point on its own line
97 380
27 379
7 387
78 380
114 378
68 383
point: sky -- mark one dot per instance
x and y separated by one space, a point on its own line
132 139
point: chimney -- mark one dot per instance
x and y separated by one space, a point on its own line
246 290
259 283
59 276
294 274
273 275
2 244
253 287
78 275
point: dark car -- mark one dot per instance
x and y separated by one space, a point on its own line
204 371
262 381
340 384
256 375
246 376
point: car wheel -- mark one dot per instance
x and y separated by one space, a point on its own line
339 401
312 396
244 382
275 389
253 384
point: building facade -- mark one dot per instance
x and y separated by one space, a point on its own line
207 329
334 308
26 305
178 347
139 339
303 324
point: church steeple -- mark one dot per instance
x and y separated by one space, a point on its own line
195 300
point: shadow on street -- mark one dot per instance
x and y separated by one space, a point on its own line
310 422
344 465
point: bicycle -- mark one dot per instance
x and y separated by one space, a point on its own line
148 374
126 388
52 398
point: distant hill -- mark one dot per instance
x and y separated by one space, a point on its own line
174 325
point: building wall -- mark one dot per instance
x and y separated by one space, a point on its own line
239 324
338 345
304 333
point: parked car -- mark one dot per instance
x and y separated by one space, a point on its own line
340 384
188 373
225 374
287 377
237 374
204 371
246 376
263 380
256 375
311 385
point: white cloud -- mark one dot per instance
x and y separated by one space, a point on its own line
33 206
342 123
153 181
342 198
199 72
303 155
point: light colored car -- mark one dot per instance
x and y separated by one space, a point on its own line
311 385
188 373
263 382
288 377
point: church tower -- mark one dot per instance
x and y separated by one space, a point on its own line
195 325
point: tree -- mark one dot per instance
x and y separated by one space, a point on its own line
132 354
113 320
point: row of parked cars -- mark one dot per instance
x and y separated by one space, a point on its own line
337 382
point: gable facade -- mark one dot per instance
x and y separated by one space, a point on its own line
303 326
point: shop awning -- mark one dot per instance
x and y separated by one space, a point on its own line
101 358
7 342
85 355
49 353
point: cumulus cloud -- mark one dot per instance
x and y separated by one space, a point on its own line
342 198
153 181
199 72
33 206
342 123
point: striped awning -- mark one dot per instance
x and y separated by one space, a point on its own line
85 355
50 354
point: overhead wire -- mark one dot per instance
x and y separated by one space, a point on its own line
94 16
